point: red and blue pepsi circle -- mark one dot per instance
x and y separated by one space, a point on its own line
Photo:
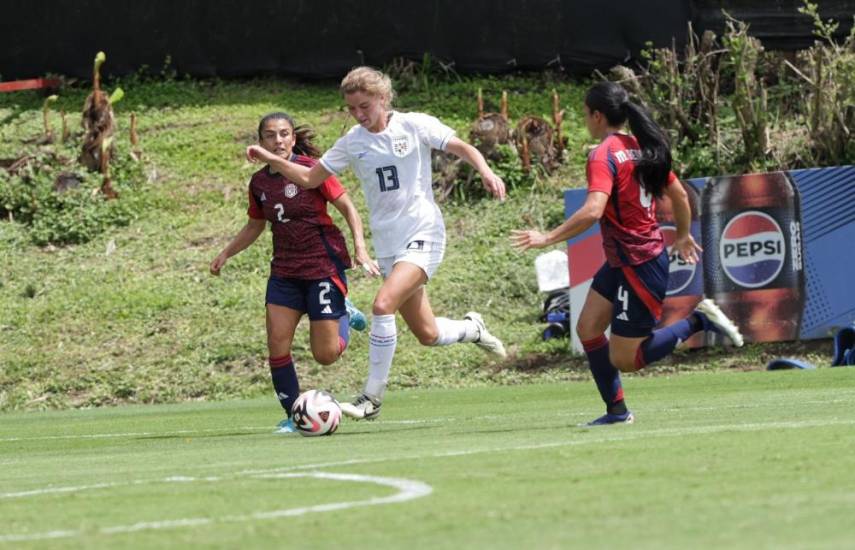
680 272
752 249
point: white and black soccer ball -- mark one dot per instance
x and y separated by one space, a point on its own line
316 412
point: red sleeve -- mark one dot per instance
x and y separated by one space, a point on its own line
672 177
601 174
331 188
254 211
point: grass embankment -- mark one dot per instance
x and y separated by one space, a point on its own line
133 315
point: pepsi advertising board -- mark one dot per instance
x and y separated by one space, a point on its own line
772 253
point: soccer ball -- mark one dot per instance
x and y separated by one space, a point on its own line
316 412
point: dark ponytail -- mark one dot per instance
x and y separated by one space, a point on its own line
303 135
652 169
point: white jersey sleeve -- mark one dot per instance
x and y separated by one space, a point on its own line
337 159
431 131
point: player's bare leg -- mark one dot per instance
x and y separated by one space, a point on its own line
404 280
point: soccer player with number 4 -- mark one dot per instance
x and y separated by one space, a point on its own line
390 153
309 256
625 173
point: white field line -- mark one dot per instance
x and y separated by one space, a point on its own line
407 490
54 490
435 420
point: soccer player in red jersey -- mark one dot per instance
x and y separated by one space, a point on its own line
309 256
625 173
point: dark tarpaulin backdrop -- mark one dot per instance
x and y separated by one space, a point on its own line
325 38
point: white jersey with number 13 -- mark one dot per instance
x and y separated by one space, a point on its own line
394 167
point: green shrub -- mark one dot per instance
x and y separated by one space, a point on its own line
30 195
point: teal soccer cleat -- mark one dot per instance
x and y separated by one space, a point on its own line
357 318
286 427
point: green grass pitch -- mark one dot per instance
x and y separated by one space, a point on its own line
725 459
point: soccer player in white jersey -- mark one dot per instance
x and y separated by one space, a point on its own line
390 153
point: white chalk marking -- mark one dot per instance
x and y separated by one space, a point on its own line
407 490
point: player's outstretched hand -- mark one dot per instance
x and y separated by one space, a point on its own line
688 249
218 264
369 265
523 239
494 185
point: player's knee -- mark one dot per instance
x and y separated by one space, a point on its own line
325 356
277 346
427 337
383 305
586 331
623 362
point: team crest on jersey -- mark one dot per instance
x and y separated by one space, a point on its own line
291 191
401 146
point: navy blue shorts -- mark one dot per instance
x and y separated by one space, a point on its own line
322 299
637 293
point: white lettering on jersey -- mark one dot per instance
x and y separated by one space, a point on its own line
628 154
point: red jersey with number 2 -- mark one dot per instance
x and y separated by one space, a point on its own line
631 235
306 242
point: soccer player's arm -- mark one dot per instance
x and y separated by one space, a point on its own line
475 159
249 234
600 183
433 133
579 222
680 204
684 243
333 162
305 177
333 191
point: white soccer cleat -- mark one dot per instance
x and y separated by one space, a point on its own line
486 341
719 322
362 408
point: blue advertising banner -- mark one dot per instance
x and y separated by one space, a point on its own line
775 253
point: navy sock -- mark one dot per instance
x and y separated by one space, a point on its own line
343 332
605 375
663 341
285 381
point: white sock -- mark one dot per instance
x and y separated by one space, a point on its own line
382 341
452 331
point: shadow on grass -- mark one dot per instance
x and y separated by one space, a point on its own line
749 358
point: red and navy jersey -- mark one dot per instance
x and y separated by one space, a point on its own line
631 235
306 242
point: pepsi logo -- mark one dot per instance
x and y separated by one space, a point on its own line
680 272
752 249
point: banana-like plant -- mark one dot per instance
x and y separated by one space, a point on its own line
98 120
48 137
